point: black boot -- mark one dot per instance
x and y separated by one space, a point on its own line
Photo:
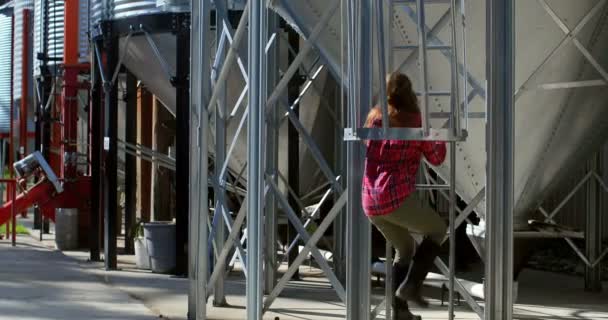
421 265
401 310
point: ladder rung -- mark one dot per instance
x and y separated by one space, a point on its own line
436 93
432 47
413 2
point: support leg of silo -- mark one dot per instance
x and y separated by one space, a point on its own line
182 148
110 146
593 230
499 148
255 154
200 89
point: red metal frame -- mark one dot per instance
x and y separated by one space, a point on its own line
76 186
25 50
11 146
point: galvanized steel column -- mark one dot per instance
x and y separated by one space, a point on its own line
111 157
293 146
499 145
272 156
130 162
358 226
219 190
593 231
182 148
255 154
96 150
200 91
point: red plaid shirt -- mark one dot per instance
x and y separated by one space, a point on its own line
390 170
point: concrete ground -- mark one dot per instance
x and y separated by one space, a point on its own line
68 285
39 283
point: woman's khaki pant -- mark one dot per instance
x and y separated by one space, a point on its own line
412 217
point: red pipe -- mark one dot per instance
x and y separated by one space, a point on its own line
25 71
25 49
11 149
39 193
70 32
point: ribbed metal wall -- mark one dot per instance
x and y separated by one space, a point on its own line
20 5
55 31
5 72
85 21
118 9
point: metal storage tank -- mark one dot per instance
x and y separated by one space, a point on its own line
54 26
118 9
555 129
5 72
21 5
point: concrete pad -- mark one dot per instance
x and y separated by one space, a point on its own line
39 283
542 295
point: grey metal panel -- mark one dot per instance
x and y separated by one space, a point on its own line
5 72
117 9
140 59
83 35
20 5
554 129
56 30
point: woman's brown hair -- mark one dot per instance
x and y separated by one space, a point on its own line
401 99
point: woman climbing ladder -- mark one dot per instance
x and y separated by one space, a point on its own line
388 198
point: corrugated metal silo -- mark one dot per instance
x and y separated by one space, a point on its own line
5 72
20 5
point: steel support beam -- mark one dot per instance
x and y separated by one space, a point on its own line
258 36
110 147
200 88
360 98
219 191
144 123
96 154
130 162
500 47
182 155
593 231
293 144
272 157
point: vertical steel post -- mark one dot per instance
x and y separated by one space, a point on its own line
339 224
182 148
499 145
358 226
96 154
219 192
455 124
44 83
130 162
452 219
385 23
293 145
200 85
144 123
422 58
255 154
593 230
111 159
25 86
272 156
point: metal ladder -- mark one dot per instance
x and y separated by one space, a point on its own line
454 117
